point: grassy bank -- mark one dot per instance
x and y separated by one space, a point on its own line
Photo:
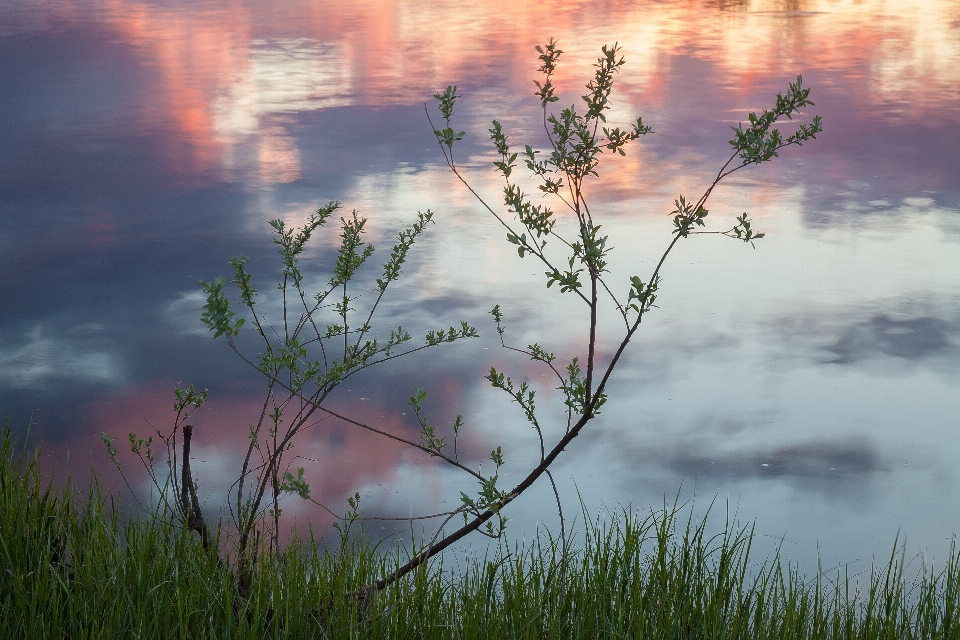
72 568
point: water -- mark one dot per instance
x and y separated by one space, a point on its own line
811 384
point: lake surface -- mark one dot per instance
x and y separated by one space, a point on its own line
812 384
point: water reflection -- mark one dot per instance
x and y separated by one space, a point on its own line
146 143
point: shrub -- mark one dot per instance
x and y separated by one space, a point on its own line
324 337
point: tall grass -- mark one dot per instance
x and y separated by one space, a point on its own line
72 568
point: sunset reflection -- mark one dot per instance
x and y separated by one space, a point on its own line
231 71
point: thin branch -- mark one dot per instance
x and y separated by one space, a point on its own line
483 202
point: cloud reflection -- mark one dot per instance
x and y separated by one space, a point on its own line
228 72
338 458
827 462
846 338
42 360
910 339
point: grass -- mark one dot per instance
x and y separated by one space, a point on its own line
73 568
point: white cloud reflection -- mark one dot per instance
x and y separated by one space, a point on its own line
41 360
282 76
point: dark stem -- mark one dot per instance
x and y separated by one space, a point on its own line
188 493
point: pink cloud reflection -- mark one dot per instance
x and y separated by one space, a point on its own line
339 459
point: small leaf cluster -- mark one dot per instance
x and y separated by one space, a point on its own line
189 397
537 219
537 353
447 135
141 446
450 335
574 388
351 516
644 294
549 54
744 231
428 438
292 244
430 443
398 255
297 485
111 450
353 251
489 498
569 280
216 312
758 142
592 248
574 136
522 395
686 216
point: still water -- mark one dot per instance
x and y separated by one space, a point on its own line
811 384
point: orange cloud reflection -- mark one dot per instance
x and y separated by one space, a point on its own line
230 68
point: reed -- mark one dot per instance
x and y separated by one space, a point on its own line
73 567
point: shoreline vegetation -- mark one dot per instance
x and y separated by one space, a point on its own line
77 568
